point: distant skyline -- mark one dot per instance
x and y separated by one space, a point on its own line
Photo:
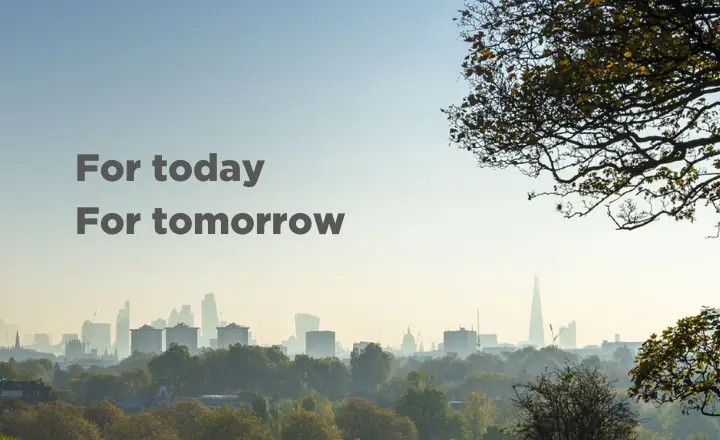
342 102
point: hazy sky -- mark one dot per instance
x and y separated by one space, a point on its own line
342 100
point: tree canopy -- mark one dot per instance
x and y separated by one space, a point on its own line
611 98
682 365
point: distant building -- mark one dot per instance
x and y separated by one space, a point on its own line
182 335
409 346
232 334
32 392
67 337
305 323
209 316
74 350
146 340
567 336
461 342
20 354
360 346
42 339
173 319
488 341
96 335
159 324
537 328
320 344
122 332
610 347
185 316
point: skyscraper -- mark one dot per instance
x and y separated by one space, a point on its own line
122 332
305 323
209 315
568 336
185 316
537 328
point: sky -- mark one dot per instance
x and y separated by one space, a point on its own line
342 100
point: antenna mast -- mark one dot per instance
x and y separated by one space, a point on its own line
479 348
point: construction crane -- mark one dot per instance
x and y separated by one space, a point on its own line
554 336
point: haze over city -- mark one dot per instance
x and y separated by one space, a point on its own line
342 102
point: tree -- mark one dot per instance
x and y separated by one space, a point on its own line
478 410
184 417
103 414
261 407
681 365
623 357
427 404
53 421
140 426
573 403
309 425
227 423
610 98
171 367
369 368
363 419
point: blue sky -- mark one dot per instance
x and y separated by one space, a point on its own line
342 101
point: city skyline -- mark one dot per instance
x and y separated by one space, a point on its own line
428 237
303 322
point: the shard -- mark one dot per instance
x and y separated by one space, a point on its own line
537 329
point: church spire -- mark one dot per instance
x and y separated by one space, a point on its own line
17 339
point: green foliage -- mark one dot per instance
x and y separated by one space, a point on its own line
54 421
364 419
478 412
427 404
412 402
309 425
572 403
681 365
140 426
103 414
261 407
369 368
611 98
226 423
184 417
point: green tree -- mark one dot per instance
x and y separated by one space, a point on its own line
369 368
328 376
103 414
227 423
140 426
478 411
53 421
681 365
261 407
610 98
573 403
427 404
184 417
307 425
364 419
309 403
171 368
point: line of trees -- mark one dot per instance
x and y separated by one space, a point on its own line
526 394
